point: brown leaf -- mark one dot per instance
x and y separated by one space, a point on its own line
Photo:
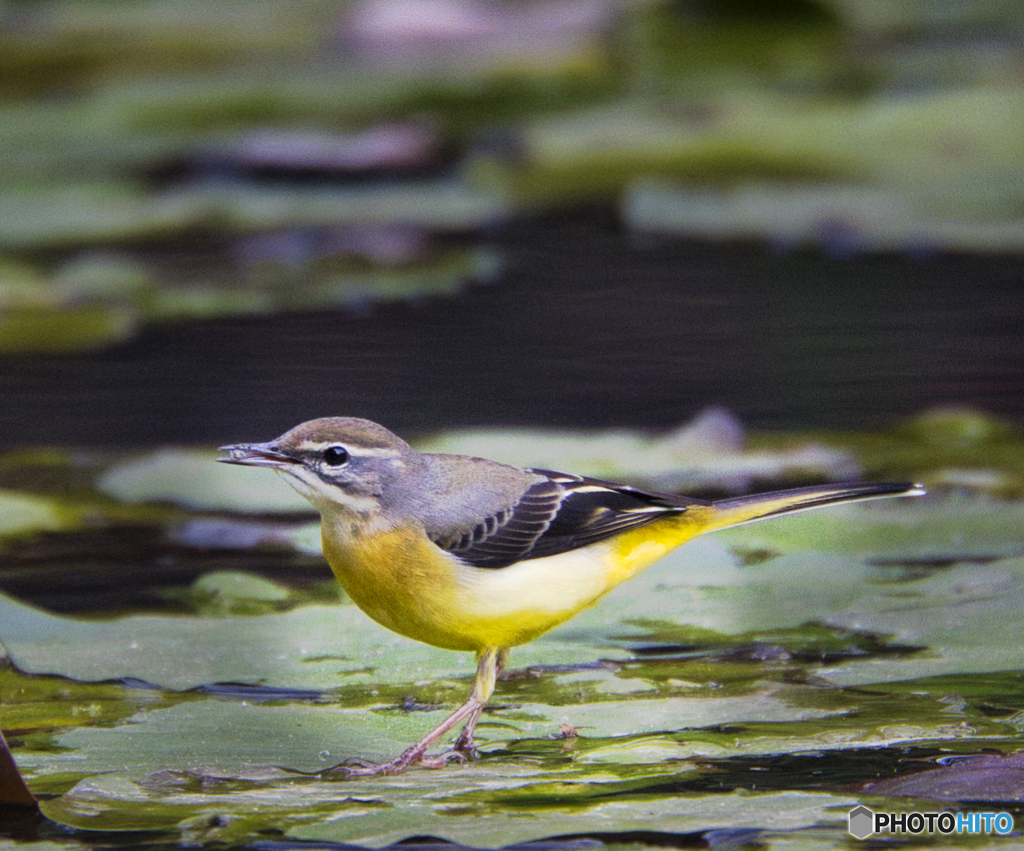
12 785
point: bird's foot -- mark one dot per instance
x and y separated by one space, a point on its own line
465 747
414 757
442 759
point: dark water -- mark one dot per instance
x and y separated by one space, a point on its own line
585 326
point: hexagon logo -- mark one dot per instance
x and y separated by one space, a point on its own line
862 822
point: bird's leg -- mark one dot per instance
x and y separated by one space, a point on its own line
464 743
490 663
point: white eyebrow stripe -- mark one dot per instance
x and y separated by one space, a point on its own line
355 448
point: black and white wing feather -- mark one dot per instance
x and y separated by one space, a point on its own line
559 513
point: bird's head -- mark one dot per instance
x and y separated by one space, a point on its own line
339 463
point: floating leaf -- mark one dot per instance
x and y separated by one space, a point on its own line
191 478
22 513
705 453
71 329
227 592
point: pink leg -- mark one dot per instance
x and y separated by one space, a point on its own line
490 664
464 743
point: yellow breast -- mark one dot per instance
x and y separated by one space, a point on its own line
401 580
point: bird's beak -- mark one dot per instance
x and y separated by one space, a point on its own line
256 455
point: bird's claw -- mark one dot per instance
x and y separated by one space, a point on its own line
411 758
442 759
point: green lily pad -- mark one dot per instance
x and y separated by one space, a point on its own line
79 213
21 285
459 804
882 146
73 329
22 513
191 478
496 825
229 592
707 452
311 647
949 450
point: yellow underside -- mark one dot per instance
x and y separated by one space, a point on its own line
408 585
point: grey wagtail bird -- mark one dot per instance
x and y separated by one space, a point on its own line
469 554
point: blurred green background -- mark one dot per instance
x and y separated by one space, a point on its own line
219 219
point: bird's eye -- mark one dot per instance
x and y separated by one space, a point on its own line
335 456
